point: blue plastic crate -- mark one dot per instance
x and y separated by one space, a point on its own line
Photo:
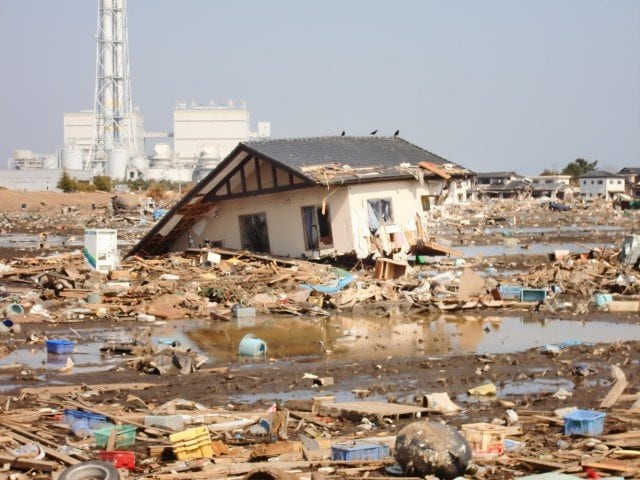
60 346
511 292
584 422
93 419
359 451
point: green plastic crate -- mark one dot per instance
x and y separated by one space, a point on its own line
125 437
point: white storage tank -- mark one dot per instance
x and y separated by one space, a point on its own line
101 249
117 163
139 162
71 158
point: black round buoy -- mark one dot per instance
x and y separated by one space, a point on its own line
431 448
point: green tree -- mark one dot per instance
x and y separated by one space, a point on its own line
547 172
66 183
103 183
579 166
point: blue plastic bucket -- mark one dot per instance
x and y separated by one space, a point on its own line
250 346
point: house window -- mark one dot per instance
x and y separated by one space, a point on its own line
619 182
599 182
254 235
379 210
591 182
317 227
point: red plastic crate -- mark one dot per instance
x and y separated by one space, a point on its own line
119 458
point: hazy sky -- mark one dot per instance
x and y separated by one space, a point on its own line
489 84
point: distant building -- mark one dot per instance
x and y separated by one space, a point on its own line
79 129
496 178
206 134
565 179
632 181
601 184
501 185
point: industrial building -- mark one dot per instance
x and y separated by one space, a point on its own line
110 138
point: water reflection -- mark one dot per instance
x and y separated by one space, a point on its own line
373 337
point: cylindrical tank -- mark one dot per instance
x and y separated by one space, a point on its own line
117 163
71 159
139 162
49 162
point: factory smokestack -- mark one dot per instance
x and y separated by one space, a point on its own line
114 139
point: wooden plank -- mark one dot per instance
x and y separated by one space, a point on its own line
611 465
378 409
104 387
48 450
28 463
433 169
617 389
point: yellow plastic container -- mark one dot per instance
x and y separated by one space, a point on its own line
192 443
486 439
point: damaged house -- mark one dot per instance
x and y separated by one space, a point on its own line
311 197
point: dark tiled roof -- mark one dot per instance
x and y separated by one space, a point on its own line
541 187
513 185
600 174
382 155
630 170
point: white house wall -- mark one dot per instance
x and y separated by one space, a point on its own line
405 206
284 220
590 188
348 214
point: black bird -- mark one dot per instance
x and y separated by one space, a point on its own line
374 132
396 133
343 133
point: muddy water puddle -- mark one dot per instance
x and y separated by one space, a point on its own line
314 340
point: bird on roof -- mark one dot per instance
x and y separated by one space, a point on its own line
396 133
343 133
374 132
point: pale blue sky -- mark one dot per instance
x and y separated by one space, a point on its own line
489 84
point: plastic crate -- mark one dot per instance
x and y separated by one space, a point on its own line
534 294
359 451
172 422
584 422
510 292
119 458
94 421
486 439
60 346
125 437
192 443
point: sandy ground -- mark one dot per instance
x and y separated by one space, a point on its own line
41 202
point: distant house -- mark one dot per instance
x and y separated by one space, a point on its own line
632 180
552 186
311 197
501 185
601 184
496 178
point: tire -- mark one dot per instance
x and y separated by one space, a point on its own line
91 470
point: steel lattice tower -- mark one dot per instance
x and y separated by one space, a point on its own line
114 126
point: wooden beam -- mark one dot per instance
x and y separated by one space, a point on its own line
243 178
617 389
290 178
274 174
258 176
